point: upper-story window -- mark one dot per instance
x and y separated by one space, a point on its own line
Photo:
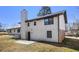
48 21
34 23
28 24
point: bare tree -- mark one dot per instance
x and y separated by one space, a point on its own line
0 26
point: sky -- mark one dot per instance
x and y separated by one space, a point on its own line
10 15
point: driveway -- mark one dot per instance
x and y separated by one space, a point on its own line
25 42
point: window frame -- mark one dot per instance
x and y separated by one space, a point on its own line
46 21
18 30
34 23
49 34
49 21
28 24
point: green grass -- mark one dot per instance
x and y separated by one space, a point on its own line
8 44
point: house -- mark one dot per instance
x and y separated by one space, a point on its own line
68 30
73 29
48 27
15 31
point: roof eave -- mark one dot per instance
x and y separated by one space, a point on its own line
50 15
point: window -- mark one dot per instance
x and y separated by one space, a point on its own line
28 24
34 23
18 30
10 30
48 21
49 34
14 30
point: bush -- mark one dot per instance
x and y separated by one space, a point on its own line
77 34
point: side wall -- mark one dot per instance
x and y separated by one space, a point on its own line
39 32
61 28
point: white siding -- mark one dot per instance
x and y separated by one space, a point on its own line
39 32
61 28
61 22
15 33
23 25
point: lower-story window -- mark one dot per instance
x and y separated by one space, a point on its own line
10 30
18 30
49 34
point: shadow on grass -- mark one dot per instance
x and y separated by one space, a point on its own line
71 43
68 43
15 38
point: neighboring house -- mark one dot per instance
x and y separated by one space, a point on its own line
50 27
68 30
73 29
15 31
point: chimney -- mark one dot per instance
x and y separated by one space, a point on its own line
23 15
23 24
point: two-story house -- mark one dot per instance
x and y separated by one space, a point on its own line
50 27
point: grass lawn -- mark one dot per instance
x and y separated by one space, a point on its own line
2 33
8 44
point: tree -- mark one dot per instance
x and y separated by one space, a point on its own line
77 33
0 27
44 11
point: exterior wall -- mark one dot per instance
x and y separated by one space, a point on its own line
39 32
61 27
14 33
23 25
23 30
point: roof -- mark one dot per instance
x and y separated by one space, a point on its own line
15 27
49 15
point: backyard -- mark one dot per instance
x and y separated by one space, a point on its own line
8 44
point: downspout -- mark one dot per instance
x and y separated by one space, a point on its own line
58 28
